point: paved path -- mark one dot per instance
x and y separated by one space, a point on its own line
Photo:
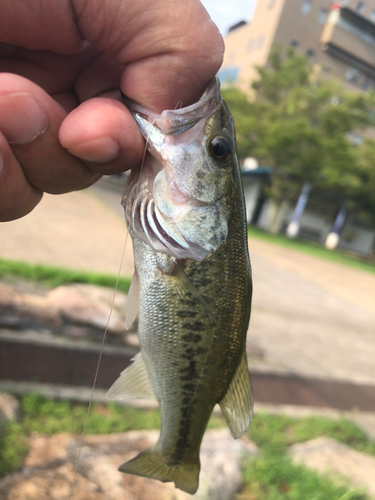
310 317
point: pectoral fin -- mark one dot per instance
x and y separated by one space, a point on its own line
237 404
132 303
134 382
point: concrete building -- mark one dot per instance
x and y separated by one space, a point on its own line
340 39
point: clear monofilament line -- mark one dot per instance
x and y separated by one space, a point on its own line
97 370
102 345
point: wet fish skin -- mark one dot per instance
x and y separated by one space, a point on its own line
195 359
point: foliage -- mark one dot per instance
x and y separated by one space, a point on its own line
298 124
364 195
55 276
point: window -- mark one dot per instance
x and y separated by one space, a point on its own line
229 75
368 83
310 53
352 74
372 16
306 6
260 41
322 16
294 43
360 7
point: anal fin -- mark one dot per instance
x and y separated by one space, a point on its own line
134 382
237 404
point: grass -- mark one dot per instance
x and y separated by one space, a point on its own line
278 432
56 276
273 476
270 476
314 249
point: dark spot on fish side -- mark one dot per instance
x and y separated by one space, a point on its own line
204 281
195 326
189 372
186 314
188 387
192 337
188 355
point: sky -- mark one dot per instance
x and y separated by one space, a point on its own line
225 13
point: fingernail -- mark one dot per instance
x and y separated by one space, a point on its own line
98 151
21 118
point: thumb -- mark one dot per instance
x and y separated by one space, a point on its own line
170 48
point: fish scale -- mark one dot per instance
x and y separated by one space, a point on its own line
193 312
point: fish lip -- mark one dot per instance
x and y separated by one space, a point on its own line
176 121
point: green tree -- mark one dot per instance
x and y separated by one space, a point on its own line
298 124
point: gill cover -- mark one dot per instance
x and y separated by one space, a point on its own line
179 201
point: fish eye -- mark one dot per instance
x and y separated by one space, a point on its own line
221 149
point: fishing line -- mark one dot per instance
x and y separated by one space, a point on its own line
97 370
103 340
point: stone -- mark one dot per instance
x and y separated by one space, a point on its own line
338 461
9 409
221 464
91 305
49 471
22 310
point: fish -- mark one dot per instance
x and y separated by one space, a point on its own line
192 285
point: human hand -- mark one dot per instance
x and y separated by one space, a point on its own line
61 66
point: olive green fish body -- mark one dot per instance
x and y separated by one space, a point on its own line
193 319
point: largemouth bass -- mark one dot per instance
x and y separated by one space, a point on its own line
185 213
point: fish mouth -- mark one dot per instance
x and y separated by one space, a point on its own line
176 121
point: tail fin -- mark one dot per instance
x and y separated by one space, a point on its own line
151 463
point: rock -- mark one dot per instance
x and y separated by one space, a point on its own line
132 339
48 472
221 464
9 409
89 305
329 456
26 311
77 311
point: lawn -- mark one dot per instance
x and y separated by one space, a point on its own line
56 276
270 476
315 250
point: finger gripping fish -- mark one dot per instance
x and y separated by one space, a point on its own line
192 285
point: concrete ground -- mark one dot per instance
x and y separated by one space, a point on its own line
310 317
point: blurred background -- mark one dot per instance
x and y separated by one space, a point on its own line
299 79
